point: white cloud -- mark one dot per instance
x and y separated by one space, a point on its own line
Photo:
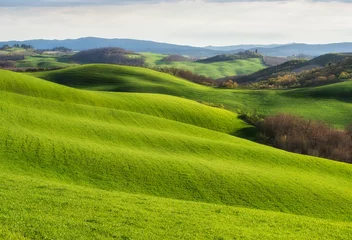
186 22
23 3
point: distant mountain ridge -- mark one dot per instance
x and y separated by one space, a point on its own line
128 44
166 48
242 47
307 49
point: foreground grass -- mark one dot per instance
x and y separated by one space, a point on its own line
33 208
81 164
331 104
214 70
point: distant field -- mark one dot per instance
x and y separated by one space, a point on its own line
214 70
331 108
42 61
15 51
78 164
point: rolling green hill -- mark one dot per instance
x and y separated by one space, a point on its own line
214 70
331 109
80 164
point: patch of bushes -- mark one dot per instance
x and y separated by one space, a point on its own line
308 137
12 57
228 84
7 64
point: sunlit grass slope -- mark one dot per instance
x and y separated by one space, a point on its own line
214 70
33 208
331 103
76 164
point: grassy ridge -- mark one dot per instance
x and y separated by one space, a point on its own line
214 70
303 102
168 107
61 146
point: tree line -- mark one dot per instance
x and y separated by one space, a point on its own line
24 46
110 56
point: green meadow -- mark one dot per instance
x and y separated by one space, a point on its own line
331 103
131 161
43 61
214 70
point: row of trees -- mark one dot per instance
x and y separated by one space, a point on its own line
24 46
7 64
188 75
200 79
196 78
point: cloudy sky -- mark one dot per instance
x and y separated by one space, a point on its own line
190 22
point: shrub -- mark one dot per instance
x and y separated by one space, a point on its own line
344 75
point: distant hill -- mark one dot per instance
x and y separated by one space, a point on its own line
166 48
129 44
230 57
241 47
325 69
307 49
274 61
109 55
176 58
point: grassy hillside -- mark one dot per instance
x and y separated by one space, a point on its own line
136 166
331 109
214 70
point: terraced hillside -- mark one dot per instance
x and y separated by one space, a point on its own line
80 164
331 108
214 70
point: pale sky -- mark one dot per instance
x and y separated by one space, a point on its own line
189 22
